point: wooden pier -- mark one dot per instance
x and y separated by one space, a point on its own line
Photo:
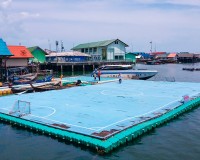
79 66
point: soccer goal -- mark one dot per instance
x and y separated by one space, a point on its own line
20 108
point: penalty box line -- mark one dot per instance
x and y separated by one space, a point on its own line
123 120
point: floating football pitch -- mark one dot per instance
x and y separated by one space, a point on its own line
103 110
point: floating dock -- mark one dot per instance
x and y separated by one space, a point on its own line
102 117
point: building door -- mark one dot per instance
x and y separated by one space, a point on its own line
110 54
104 54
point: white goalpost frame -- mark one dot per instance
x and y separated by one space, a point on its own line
21 107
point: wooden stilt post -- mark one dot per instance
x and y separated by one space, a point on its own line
83 69
61 69
72 70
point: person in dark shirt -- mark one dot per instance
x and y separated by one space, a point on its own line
120 78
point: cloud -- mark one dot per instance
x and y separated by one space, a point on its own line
135 22
185 2
12 21
29 15
5 3
177 2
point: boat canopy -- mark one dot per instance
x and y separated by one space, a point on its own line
115 67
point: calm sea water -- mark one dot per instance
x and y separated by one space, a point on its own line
178 139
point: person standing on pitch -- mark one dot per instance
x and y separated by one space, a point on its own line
99 74
120 78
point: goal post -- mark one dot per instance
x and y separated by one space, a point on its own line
20 108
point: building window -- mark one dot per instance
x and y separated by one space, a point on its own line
116 42
90 50
119 57
86 50
82 50
95 50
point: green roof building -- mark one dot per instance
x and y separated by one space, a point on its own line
130 57
38 54
113 49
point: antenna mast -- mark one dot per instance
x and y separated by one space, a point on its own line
62 47
57 46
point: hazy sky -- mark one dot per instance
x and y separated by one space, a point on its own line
172 25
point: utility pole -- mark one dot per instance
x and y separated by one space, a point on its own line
151 46
49 43
57 51
57 57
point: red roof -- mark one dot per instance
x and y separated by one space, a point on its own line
20 52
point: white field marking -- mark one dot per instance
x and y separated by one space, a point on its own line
160 96
95 128
136 116
106 81
133 95
5 109
103 93
73 81
54 111
62 122
21 92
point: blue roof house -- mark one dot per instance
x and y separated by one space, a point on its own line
4 51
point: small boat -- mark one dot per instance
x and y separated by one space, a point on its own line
47 87
154 62
191 69
18 73
25 75
26 80
44 88
55 86
31 79
20 90
45 79
126 71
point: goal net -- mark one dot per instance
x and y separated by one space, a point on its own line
20 108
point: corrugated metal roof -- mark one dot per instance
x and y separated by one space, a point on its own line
96 44
4 51
161 56
75 53
20 52
197 55
172 55
187 55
